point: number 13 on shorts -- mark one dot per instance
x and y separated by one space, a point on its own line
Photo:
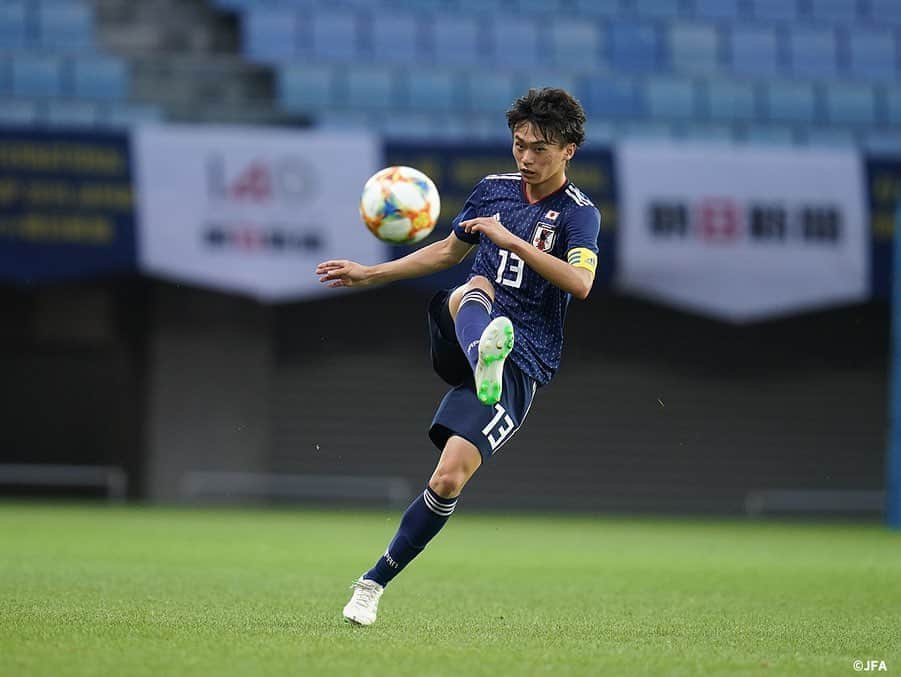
499 428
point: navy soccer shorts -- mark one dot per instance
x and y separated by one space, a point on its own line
460 412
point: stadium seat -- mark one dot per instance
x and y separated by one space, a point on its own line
601 8
65 26
669 99
882 142
492 7
70 113
707 133
270 33
791 102
770 135
694 48
456 41
850 103
13 24
433 90
99 77
893 107
333 36
731 101
574 43
775 10
646 130
18 112
723 10
395 37
490 92
755 51
543 78
658 9
408 126
613 98
830 137
634 46
37 75
121 115
548 7
307 88
515 41
372 88
872 55
842 12
812 52
885 11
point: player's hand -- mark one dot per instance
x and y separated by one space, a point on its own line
491 228
343 273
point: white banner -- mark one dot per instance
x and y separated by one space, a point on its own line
742 233
251 210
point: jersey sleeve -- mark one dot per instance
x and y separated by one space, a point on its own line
470 211
582 230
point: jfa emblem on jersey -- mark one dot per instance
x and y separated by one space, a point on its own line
551 215
543 237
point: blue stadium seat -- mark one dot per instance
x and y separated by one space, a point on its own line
707 133
775 10
723 10
731 100
333 36
669 99
791 102
13 24
658 9
830 137
613 98
755 51
646 130
549 7
70 113
270 33
560 79
37 75
885 11
634 46
492 7
770 135
372 88
893 107
813 52
602 8
872 55
66 26
882 142
574 43
515 41
456 40
18 112
433 90
490 92
834 11
408 127
123 115
307 88
694 48
395 37
850 103
99 77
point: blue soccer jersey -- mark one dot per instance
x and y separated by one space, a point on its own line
565 224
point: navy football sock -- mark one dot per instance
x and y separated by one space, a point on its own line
422 520
472 318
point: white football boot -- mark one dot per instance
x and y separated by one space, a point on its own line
364 604
494 347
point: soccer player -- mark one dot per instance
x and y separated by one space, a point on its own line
536 237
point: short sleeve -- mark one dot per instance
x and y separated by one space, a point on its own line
582 229
470 211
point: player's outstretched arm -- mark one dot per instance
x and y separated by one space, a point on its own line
431 259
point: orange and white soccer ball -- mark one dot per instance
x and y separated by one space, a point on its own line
400 205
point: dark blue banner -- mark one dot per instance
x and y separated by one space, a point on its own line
456 169
66 206
884 194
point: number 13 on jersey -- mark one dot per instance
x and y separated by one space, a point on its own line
509 272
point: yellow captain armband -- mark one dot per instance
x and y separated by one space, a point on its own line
582 257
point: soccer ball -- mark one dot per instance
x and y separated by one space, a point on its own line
400 205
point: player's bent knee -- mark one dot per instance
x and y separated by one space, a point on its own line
448 484
483 283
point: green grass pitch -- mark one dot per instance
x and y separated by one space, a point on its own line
90 590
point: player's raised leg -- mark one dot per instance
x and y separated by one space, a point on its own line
420 523
485 342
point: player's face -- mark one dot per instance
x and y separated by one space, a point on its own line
538 160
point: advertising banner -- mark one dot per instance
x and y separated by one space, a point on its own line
249 210
742 233
457 168
65 206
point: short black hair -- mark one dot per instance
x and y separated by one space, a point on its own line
554 112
